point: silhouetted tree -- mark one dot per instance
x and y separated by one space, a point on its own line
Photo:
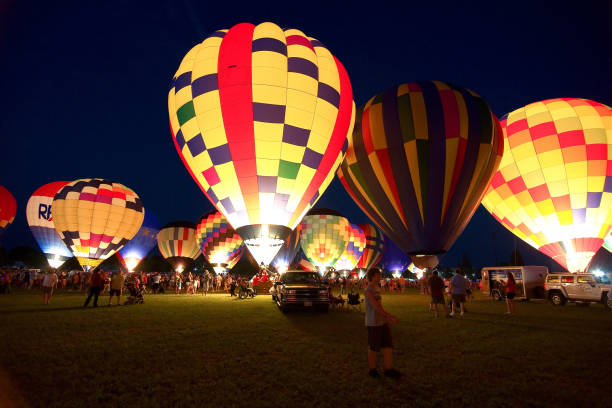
28 256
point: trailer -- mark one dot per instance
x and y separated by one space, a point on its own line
529 281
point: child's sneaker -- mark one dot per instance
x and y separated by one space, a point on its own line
374 373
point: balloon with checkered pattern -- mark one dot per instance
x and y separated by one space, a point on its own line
218 241
354 250
95 218
324 236
259 116
40 221
553 188
419 161
8 208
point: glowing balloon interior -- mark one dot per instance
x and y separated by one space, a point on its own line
354 250
259 116
138 247
218 241
554 185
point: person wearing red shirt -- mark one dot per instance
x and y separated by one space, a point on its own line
255 283
97 283
510 293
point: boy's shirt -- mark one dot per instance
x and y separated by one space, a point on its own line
372 316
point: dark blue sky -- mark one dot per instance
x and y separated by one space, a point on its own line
84 84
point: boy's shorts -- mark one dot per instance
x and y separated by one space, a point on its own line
47 289
437 300
114 292
379 337
459 298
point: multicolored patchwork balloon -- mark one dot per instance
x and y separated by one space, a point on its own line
354 250
419 161
95 218
217 240
286 255
138 247
374 249
554 185
177 244
8 208
259 116
324 236
40 220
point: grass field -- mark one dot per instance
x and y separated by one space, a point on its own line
190 350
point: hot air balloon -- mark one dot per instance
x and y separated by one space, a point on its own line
419 161
134 251
554 185
608 242
177 244
374 247
40 220
286 255
95 218
259 116
324 236
8 208
394 259
353 252
218 241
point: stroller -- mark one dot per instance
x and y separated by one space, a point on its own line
135 294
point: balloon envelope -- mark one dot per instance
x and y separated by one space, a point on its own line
419 161
177 244
374 247
553 188
218 241
354 250
394 259
259 116
286 255
95 218
8 208
323 238
40 220
138 247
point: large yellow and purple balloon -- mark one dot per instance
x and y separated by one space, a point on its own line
260 116
95 218
553 188
419 161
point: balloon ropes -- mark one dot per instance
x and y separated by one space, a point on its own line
40 221
95 218
419 161
554 185
259 116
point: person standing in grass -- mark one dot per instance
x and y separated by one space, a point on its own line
116 283
458 287
49 281
378 322
436 288
510 293
97 283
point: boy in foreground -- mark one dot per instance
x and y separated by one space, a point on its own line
378 324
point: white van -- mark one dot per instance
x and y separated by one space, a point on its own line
529 281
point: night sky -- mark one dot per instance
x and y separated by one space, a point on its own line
84 85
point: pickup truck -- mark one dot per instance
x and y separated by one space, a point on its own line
581 288
299 290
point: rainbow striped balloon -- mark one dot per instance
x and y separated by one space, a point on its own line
354 250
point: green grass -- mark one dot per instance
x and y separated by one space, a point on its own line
215 351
